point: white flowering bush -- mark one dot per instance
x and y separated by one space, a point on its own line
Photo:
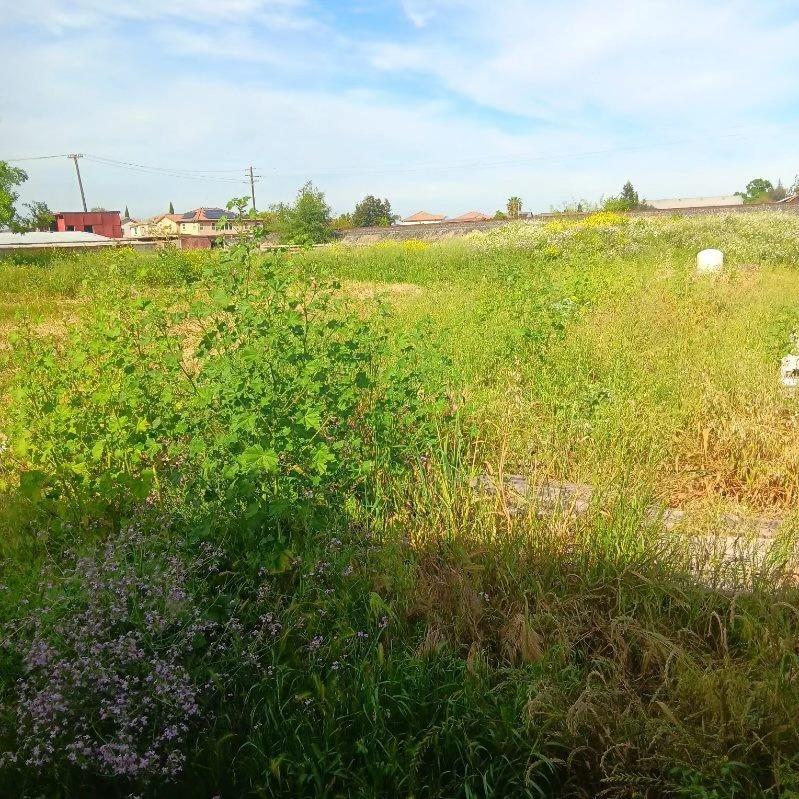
744 238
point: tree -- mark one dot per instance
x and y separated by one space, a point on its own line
127 213
514 207
307 221
779 192
758 190
627 200
342 222
795 188
98 209
372 212
171 207
616 204
500 215
10 178
39 217
630 196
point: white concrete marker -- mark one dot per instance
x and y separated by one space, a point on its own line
709 261
789 371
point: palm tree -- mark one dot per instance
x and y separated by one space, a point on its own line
514 207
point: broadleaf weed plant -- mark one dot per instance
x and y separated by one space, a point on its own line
257 390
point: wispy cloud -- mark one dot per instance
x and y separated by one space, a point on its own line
61 16
450 104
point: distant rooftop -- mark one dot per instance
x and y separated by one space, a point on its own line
424 216
697 202
207 215
471 216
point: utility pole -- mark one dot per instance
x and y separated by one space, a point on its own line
75 157
252 187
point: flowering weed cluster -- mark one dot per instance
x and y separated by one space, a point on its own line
110 681
745 238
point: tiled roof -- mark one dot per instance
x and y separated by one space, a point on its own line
207 215
424 216
471 216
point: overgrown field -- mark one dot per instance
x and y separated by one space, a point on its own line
241 553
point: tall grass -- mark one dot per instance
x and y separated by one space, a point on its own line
404 634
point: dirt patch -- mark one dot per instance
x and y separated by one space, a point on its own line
366 290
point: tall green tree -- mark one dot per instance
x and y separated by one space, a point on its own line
514 207
629 195
127 213
10 178
627 200
171 207
758 190
39 217
306 220
372 212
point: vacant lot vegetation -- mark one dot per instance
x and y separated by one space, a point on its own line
241 555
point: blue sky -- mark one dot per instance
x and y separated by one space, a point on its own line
447 105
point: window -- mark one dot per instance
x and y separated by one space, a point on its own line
70 227
89 228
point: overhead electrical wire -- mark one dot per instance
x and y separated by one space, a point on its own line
34 158
205 176
221 175
161 168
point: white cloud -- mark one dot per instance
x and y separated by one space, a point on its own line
417 12
63 16
647 59
493 100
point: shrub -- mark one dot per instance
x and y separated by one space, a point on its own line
305 222
258 390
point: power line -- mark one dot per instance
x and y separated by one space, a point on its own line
162 168
218 175
35 158
187 174
175 173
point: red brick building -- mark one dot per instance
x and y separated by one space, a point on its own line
103 223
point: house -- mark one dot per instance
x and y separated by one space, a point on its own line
682 203
159 226
793 199
422 218
471 216
128 226
103 223
205 221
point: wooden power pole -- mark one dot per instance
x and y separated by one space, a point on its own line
252 187
75 157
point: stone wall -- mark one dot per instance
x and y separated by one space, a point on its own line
450 230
